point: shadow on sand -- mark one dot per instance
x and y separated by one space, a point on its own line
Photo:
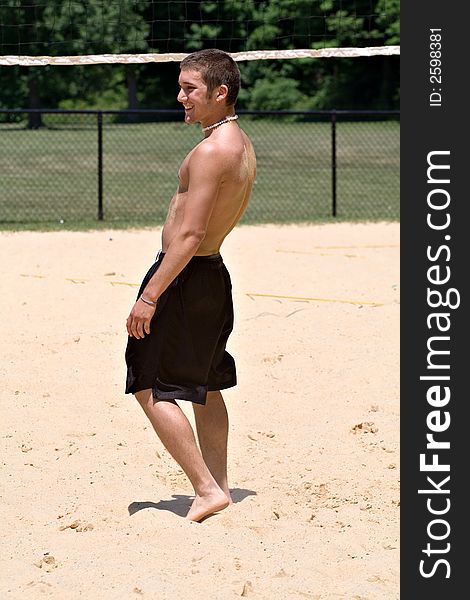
180 504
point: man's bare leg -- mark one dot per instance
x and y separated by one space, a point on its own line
212 431
176 434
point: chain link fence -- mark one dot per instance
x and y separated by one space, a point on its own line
120 167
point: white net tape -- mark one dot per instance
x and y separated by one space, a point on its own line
92 59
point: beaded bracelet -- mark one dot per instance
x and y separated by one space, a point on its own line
149 302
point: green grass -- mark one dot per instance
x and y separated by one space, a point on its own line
50 175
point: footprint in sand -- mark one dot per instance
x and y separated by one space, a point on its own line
48 563
365 427
273 359
78 525
255 438
281 573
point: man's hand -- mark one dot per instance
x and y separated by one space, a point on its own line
138 322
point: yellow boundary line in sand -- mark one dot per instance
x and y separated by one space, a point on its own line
318 299
337 248
249 294
124 283
305 298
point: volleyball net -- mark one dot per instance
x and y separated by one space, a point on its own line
79 57
76 32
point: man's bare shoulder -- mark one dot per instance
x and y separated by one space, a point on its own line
207 149
226 145
211 156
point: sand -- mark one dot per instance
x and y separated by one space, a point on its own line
92 504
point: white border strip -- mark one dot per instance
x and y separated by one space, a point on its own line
93 59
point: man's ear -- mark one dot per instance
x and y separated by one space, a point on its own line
222 93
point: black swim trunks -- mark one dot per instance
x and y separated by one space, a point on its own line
184 355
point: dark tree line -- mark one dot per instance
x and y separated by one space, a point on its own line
61 27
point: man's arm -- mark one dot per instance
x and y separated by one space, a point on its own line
206 168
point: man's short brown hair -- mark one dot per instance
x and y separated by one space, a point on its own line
216 68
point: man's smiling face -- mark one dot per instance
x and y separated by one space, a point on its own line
193 96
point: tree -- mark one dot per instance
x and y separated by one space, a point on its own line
60 27
359 82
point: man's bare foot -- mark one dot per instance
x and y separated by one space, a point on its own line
203 506
224 487
227 493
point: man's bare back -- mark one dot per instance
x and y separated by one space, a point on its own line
235 152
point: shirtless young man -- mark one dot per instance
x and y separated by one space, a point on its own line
180 323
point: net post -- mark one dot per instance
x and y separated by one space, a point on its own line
333 162
99 118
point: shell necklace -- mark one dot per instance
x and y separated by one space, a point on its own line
226 120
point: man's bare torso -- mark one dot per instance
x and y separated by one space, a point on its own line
236 152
